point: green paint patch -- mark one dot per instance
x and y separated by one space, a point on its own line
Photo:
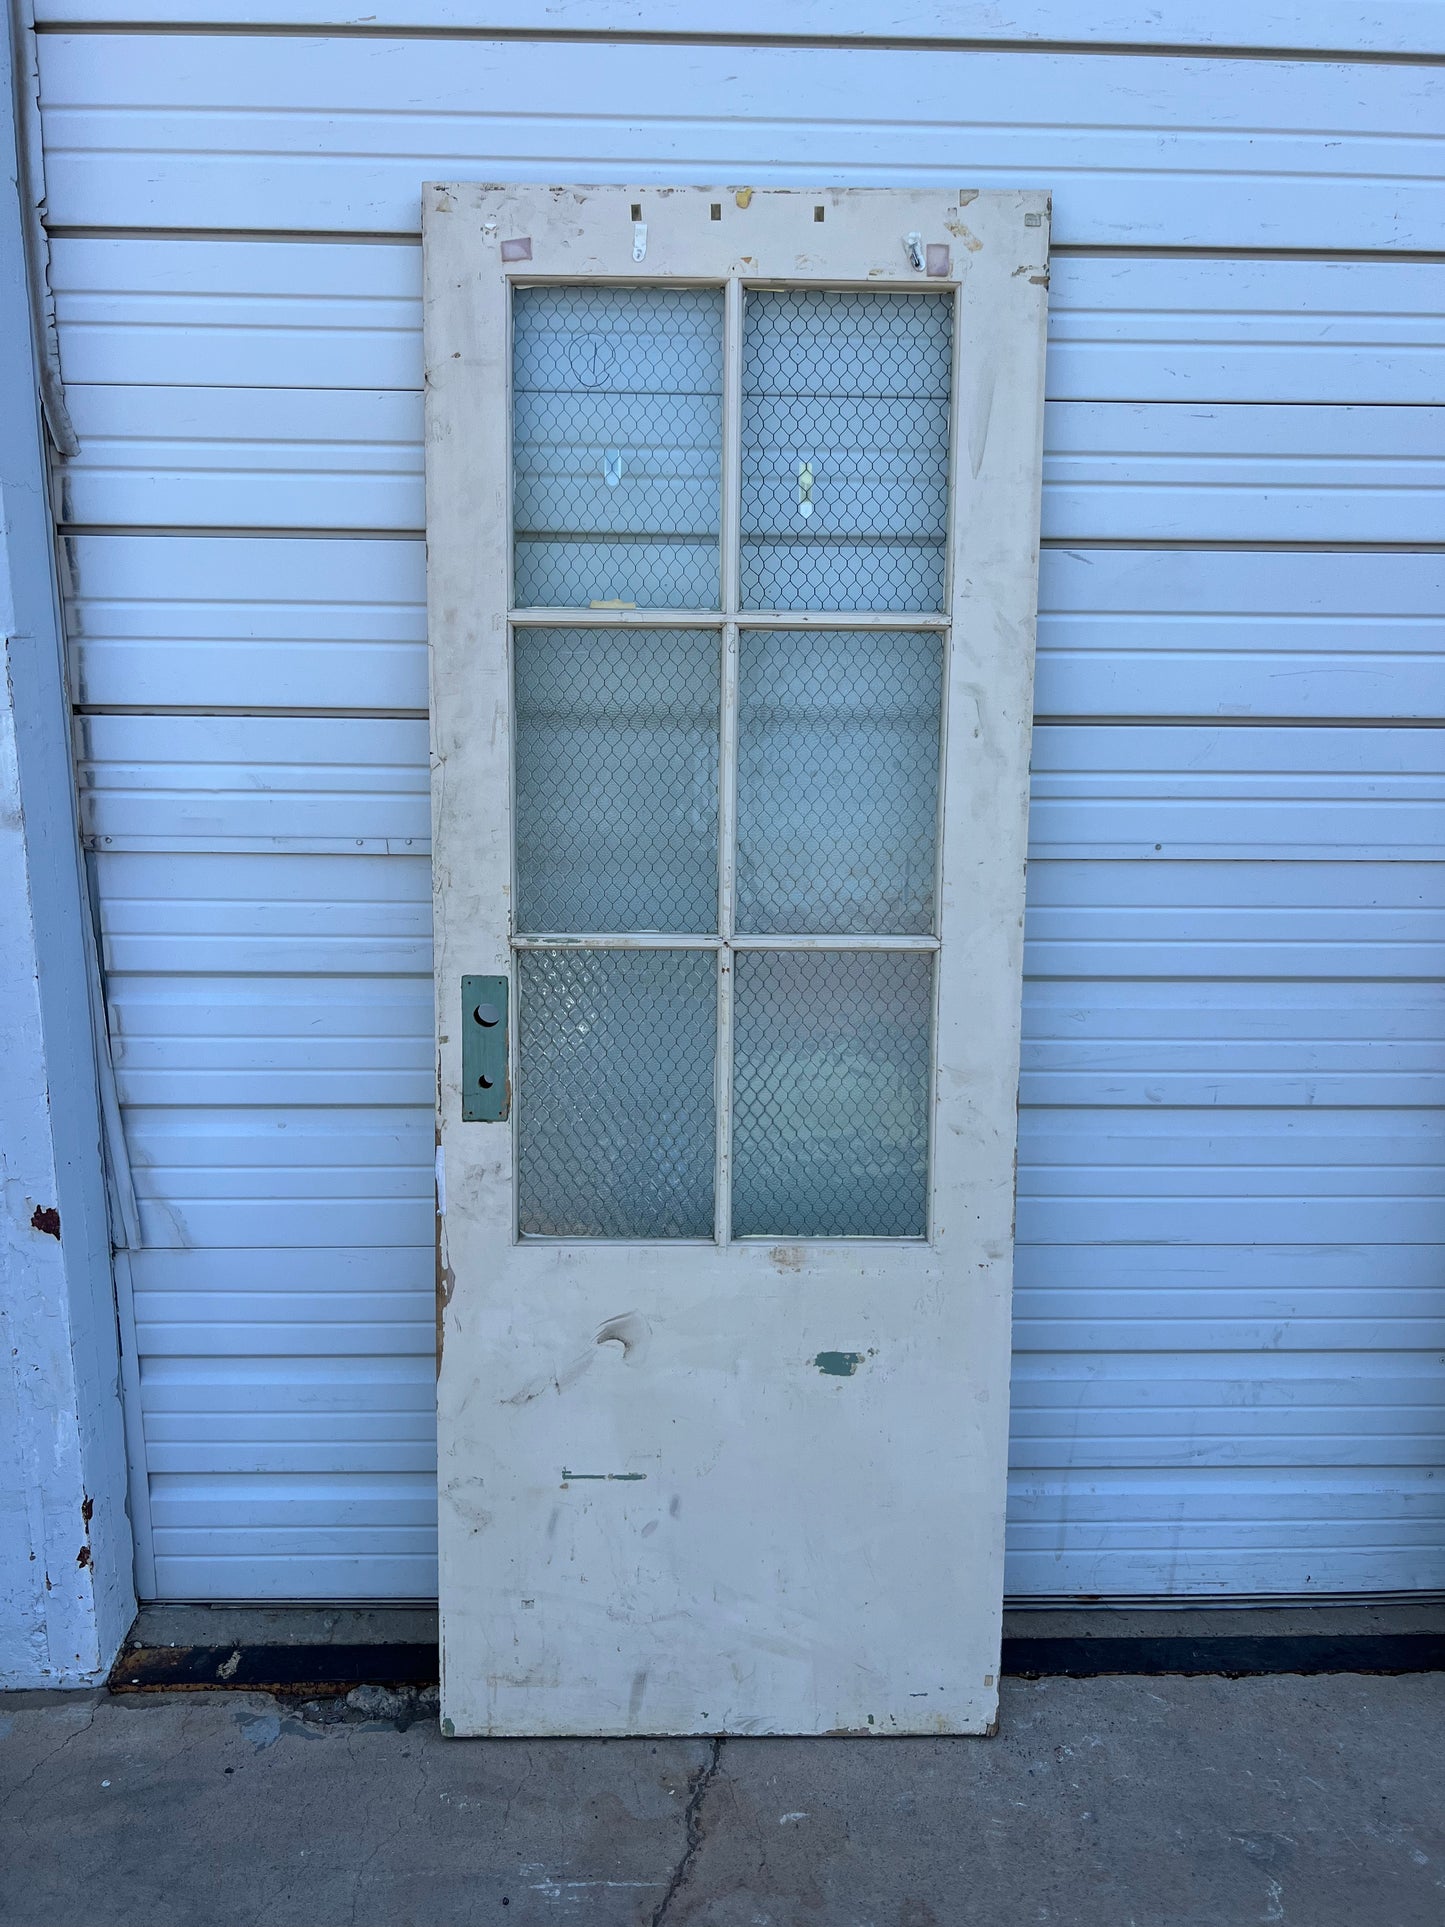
838 1364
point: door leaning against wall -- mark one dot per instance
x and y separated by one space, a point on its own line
732 529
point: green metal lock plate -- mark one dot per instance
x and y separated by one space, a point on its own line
486 1087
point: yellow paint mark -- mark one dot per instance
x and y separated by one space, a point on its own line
969 239
743 196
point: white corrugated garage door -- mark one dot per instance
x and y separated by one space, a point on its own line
1227 1378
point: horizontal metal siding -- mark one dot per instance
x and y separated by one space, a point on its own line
297 1113
1228 1327
294 314
249 131
351 460
261 622
1396 26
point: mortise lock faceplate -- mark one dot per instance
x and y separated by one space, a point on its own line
486 1088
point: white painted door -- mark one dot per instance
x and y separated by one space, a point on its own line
732 508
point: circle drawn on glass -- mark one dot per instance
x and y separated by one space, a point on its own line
592 358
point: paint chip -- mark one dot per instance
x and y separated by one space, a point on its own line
838 1364
518 250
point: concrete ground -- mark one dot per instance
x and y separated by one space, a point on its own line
1116 1802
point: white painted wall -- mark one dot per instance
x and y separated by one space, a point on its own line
66 1595
54 1630
1228 1330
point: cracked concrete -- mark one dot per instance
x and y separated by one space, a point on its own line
1122 1802
692 1833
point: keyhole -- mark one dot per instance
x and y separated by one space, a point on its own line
487 1015
485 1082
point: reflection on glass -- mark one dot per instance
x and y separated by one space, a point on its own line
838 747
615 1093
617 446
830 1093
845 438
616 779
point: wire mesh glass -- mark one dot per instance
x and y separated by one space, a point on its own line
615 1093
616 778
617 446
838 750
845 444
831 1064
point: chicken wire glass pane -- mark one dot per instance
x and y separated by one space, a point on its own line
838 747
615 1093
616 779
617 446
845 438
830 1093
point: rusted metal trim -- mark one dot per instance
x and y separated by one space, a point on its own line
321 1669
315 1670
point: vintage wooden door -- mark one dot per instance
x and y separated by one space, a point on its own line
732 507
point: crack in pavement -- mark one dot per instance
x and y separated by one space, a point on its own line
20 1785
698 1789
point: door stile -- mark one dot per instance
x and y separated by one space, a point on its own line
952 556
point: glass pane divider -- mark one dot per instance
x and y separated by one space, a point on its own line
727 879
731 565
555 618
838 619
723 1094
617 940
732 446
616 618
833 942
678 940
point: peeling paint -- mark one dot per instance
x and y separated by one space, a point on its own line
47 1219
838 1364
630 1330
